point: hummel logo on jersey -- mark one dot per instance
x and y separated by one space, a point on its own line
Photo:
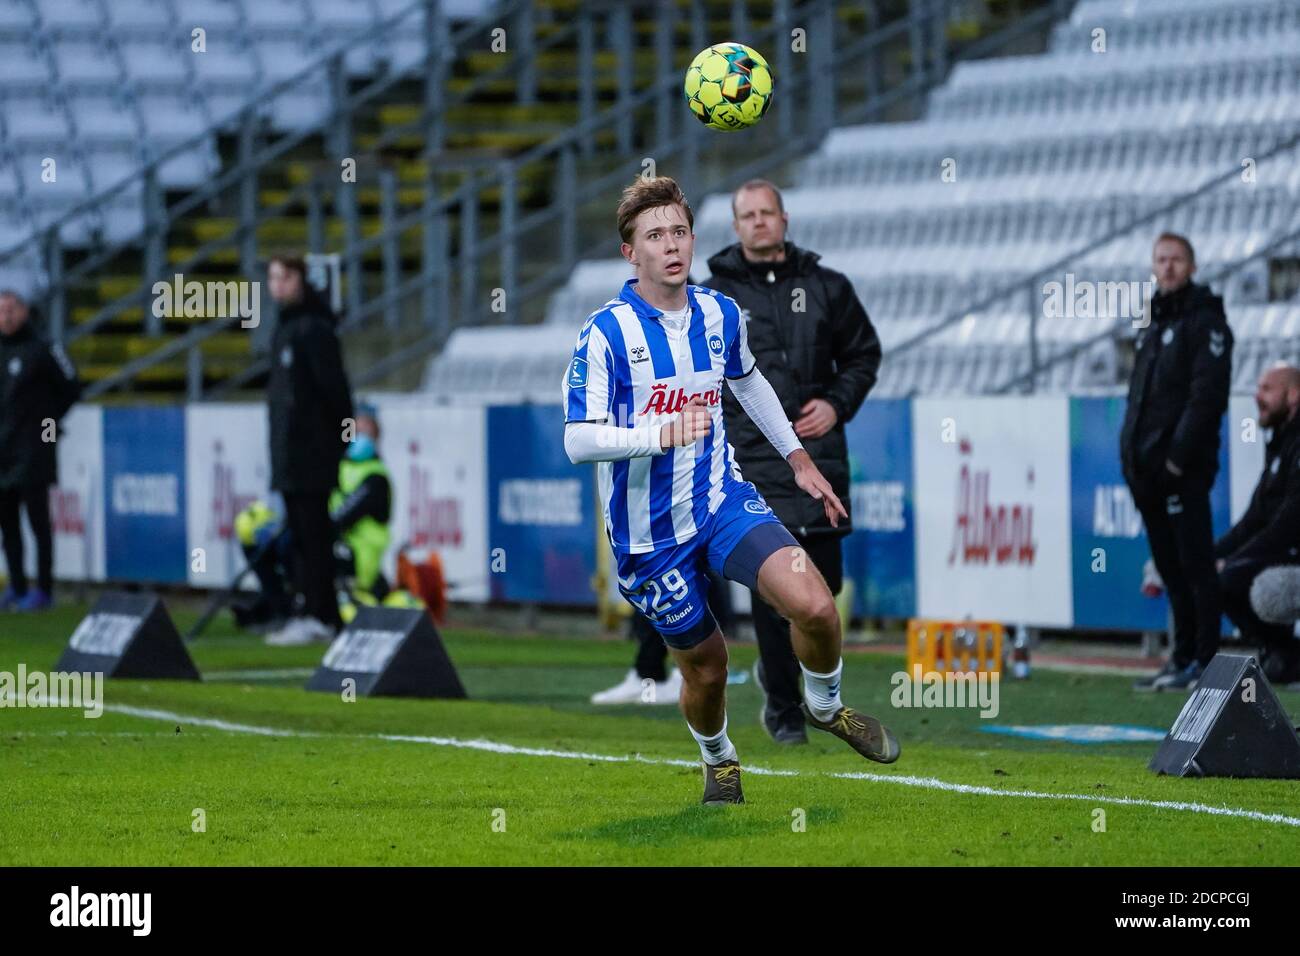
639 353
664 402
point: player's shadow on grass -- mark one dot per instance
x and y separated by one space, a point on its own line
693 823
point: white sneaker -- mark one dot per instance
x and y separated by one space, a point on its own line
668 691
627 692
301 631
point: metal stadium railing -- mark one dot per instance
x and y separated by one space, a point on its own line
1031 285
499 271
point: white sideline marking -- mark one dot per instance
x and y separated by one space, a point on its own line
283 673
924 783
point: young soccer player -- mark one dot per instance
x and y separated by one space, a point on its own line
642 397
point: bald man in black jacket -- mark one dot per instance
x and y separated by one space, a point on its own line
812 339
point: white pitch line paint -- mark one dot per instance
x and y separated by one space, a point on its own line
906 780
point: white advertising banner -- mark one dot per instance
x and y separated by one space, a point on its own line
993 509
227 466
1245 452
437 459
76 502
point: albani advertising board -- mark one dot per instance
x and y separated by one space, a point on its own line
227 466
436 459
993 509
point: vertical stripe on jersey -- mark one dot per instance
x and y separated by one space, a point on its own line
658 502
661 353
622 404
634 497
731 332
699 333
701 469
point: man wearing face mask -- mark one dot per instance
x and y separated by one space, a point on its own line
361 507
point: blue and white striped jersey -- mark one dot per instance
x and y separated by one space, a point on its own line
629 370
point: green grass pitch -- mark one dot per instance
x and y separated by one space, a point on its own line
333 787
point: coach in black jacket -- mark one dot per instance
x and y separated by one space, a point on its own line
1268 533
813 341
310 402
1169 449
38 385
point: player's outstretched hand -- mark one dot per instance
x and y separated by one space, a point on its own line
809 477
692 422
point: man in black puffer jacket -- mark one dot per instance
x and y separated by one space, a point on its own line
813 341
310 402
1169 449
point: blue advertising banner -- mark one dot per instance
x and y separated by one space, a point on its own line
541 510
144 494
1108 543
880 554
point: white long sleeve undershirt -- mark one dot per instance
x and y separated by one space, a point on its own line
596 441
758 399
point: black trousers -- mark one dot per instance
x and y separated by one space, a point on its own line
1179 530
780 666
36 500
312 535
652 652
1234 581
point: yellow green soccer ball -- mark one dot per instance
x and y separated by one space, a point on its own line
728 86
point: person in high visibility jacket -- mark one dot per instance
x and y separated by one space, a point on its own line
361 506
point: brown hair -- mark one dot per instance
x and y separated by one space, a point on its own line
291 261
646 194
1175 237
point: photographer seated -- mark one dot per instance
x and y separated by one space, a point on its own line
1268 534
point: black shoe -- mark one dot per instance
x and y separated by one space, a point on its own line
1185 679
1280 668
785 728
788 730
1148 683
722 783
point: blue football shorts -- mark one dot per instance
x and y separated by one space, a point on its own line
670 586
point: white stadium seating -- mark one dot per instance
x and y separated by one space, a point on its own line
1051 151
